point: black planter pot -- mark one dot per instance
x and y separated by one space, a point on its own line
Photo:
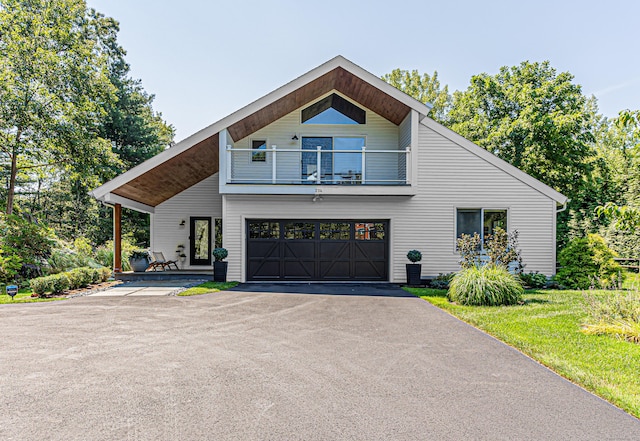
220 271
414 271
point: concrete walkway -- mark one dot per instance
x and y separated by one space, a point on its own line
148 288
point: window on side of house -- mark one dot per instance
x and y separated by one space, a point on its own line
259 150
479 220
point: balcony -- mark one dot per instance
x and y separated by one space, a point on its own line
341 164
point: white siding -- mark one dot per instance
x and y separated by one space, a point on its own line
202 199
380 134
450 177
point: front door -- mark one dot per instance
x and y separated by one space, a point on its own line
200 241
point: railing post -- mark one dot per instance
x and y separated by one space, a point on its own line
273 165
407 165
319 164
228 159
364 163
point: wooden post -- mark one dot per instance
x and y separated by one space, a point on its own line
117 238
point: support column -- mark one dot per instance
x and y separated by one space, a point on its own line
117 238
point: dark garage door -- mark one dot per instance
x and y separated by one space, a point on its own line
317 250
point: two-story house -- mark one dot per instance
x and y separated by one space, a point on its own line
334 176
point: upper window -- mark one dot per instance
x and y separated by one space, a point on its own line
333 110
259 153
479 220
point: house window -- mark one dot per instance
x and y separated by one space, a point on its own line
217 226
259 153
340 159
479 220
333 109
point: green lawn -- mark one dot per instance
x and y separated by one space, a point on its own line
207 288
23 296
547 328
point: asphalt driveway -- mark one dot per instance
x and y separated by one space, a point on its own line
248 365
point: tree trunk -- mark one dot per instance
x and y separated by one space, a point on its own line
12 180
14 173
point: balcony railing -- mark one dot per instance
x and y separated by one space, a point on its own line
300 166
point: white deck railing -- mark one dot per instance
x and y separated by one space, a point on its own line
374 169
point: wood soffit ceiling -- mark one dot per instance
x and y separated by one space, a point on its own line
201 161
339 79
175 175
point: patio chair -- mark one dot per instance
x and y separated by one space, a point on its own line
160 262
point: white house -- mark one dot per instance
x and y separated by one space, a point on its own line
334 176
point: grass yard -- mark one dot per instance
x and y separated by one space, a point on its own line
547 328
208 288
23 296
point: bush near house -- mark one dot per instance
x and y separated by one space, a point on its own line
587 262
533 279
74 279
487 282
487 285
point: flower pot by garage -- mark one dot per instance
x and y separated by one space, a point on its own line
414 271
139 264
220 271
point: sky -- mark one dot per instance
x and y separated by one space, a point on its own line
206 59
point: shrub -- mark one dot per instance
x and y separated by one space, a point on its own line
587 262
414 256
55 283
534 280
617 315
219 254
502 249
104 274
9 267
81 277
487 285
469 249
442 281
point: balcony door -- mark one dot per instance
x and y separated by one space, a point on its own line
200 241
340 159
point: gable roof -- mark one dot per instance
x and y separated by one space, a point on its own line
196 157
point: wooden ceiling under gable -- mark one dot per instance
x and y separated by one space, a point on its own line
201 160
175 175
339 79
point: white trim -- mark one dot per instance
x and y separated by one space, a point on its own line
251 108
495 161
111 198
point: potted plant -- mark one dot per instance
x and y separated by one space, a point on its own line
139 260
220 267
414 270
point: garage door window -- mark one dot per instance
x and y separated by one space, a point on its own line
299 230
369 231
335 231
264 230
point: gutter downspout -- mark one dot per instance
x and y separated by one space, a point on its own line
564 207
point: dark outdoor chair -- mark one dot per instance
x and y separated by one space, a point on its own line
160 262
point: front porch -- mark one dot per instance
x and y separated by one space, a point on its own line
131 276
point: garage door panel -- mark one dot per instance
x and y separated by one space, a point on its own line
335 270
317 250
300 250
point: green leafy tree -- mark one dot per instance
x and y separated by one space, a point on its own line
53 85
532 117
424 88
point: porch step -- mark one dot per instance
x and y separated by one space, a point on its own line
165 275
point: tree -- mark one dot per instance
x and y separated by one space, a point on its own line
53 86
532 117
425 89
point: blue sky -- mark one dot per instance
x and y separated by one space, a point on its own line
206 59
